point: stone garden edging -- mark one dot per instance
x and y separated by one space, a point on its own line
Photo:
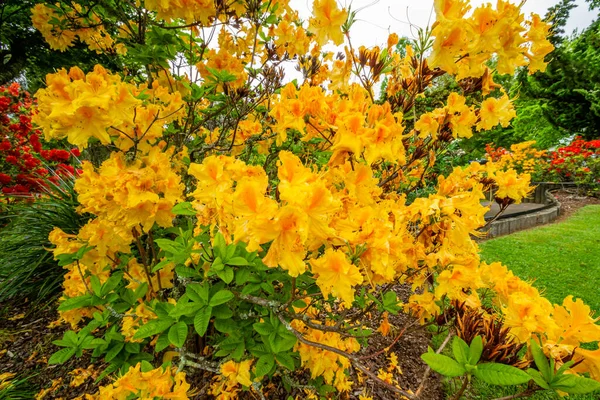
526 220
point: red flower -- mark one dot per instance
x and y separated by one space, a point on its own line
32 163
62 168
5 145
20 189
5 179
59 155
75 152
14 89
12 160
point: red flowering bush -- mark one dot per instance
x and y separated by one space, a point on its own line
24 163
578 162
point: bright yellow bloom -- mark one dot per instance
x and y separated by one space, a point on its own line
327 21
237 373
336 275
496 111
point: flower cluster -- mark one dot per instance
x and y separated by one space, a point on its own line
522 157
463 44
25 164
100 105
61 26
579 162
162 383
304 203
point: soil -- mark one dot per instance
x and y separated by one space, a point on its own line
571 201
26 344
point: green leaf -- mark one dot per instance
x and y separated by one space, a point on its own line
75 302
237 261
239 351
221 297
96 285
443 364
187 309
475 350
574 384
226 274
141 290
222 312
460 350
541 361
264 365
114 351
286 360
202 319
226 325
62 355
170 246
220 246
538 378
501 374
184 208
132 347
178 333
162 342
263 328
198 293
145 366
153 327
563 368
186 272
251 288
242 276
283 342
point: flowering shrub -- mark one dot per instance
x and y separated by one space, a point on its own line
23 161
578 162
522 157
255 228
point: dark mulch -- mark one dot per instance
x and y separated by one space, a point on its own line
27 339
572 201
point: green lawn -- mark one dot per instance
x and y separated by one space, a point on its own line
562 259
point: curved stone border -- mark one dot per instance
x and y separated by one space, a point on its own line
510 225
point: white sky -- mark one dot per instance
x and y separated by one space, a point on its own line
376 21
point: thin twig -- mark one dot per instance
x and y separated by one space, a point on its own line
428 370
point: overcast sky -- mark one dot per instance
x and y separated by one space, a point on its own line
377 20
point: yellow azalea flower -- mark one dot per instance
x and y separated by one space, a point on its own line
237 373
322 362
511 185
424 306
495 111
157 383
427 125
576 323
327 21
289 231
336 275
590 362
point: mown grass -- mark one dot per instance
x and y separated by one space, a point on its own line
562 259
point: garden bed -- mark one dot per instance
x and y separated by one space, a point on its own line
27 332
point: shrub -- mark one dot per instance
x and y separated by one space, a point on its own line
578 162
255 228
